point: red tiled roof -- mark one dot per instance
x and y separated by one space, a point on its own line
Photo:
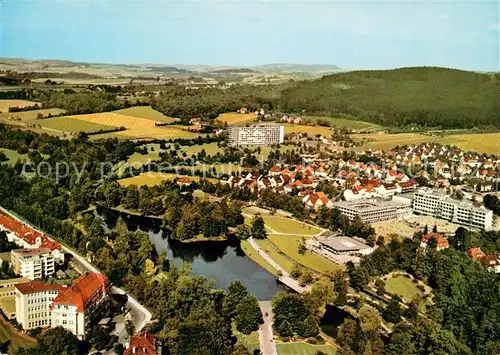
39 286
142 344
275 169
475 253
27 234
441 241
82 290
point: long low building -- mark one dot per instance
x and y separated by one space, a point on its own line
256 135
432 203
344 246
371 211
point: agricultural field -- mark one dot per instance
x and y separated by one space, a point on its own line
5 104
68 124
145 112
12 156
403 287
289 245
310 130
482 143
136 127
154 178
234 119
30 115
354 125
289 226
303 348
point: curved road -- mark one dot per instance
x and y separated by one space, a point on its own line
141 316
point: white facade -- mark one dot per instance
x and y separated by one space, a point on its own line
67 316
33 307
441 206
371 211
257 135
33 263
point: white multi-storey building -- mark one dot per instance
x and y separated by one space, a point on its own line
371 211
33 302
429 202
33 263
256 135
72 307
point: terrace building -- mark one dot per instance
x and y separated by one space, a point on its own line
256 135
429 202
33 263
371 211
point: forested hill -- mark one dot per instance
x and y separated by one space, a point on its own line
426 96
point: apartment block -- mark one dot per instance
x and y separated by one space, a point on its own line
432 203
33 263
371 211
256 135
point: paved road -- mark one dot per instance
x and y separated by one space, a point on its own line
141 316
266 337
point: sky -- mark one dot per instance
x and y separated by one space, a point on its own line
351 34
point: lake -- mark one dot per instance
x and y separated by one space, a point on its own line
221 261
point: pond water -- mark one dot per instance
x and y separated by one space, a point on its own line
221 261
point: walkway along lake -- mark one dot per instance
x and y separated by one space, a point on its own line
222 261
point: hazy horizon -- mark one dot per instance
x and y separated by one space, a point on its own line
357 35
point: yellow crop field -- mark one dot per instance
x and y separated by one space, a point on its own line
136 127
310 130
5 104
237 118
145 112
154 178
481 143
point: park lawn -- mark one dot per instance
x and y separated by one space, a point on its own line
303 348
69 124
146 112
250 341
154 178
237 118
31 115
283 148
256 258
6 104
289 226
210 149
289 245
16 341
276 254
403 287
345 123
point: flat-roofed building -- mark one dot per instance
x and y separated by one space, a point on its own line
33 263
256 135
8 295
432 203
344 245
371 211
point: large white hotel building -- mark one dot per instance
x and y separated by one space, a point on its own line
256 135
429 202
